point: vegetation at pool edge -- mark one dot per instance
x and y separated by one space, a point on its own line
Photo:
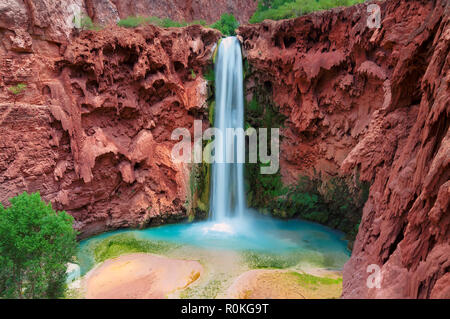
121 244
264 260
311 280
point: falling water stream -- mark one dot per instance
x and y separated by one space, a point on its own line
232 226
227 181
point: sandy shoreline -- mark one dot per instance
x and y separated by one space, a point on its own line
139 276
281 284
148 276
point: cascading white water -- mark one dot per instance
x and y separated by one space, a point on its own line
227 180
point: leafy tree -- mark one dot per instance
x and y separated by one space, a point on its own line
227 24
35 245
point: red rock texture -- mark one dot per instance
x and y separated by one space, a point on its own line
179 10
92 131
376 100
49 20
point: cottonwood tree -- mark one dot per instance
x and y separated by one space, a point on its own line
35 245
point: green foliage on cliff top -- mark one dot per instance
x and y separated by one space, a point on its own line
227 24
135 21
36 243
120 244
287 9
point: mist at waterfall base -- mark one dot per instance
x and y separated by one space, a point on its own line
231 225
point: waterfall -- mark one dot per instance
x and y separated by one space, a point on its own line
227 180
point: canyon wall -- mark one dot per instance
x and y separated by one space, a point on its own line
376 102
52 20
105 11
92 130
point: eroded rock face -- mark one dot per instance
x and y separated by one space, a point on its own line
54 21
92 131
376 100
178 10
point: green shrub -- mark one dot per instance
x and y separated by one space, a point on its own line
135 21
287 9
132 22
84 22
36 243
17 89
227 24
210 76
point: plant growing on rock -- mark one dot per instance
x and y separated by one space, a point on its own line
84 22
336 202
193 75
17 90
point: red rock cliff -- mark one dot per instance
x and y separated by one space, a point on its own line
179 10
92 130
376 100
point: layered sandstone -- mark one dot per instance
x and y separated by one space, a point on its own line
373 101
